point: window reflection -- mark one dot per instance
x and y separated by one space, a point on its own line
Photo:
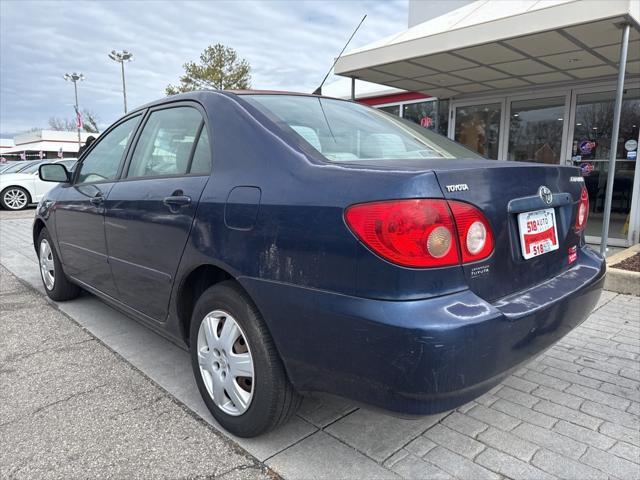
535 130
594 124
392 109
433 114
478 127
591 149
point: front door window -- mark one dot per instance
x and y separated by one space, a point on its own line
535 130
102 163
591 148
478 127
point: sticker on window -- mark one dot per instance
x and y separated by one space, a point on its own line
587 146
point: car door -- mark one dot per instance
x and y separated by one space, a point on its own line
79 211
149 212
40 187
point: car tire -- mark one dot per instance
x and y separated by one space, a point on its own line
54 280
271 397
15 198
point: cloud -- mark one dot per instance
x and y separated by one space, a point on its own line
289 44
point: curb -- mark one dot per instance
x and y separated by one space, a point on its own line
622 281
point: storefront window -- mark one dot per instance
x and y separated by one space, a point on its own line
433 114
478 127
535 130
591 148
594 124
393 109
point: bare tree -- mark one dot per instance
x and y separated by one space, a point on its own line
89 123
61 124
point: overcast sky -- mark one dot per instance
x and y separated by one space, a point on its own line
289 44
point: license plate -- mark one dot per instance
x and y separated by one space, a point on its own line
538 232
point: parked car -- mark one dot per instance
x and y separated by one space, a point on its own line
8 165
23 187
16 166
299 243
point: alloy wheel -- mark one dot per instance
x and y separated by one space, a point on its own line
47 265
225 362
15 199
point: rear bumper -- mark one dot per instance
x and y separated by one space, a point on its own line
425 356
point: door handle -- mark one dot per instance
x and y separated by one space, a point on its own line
177 201
97 200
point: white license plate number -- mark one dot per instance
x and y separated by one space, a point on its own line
538 232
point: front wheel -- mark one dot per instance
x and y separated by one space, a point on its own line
56 283
14 198
237 368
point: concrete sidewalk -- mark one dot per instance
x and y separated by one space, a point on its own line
573 412
72 408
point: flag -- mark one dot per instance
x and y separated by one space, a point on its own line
60 153
78 119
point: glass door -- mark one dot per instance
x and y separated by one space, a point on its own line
536 129
478 127
590 148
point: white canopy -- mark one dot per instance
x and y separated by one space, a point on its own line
497 45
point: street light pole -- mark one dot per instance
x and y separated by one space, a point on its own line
75 78
121 57
124 88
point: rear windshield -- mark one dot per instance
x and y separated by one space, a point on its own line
345 131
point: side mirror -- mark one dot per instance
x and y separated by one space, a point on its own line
54 172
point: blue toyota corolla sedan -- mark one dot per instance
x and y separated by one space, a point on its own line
298 243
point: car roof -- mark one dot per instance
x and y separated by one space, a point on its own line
197 94
270 92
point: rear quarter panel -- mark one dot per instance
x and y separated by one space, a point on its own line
299 237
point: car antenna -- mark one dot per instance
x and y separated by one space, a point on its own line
318 91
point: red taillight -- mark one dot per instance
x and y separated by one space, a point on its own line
412 233
422 232
582 214
474 233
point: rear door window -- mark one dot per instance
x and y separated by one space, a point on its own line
166 143
201 163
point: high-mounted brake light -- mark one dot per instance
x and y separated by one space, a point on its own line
583 211
422 233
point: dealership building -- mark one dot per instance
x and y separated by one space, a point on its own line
519 80
43 144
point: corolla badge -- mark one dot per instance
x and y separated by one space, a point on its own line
545 194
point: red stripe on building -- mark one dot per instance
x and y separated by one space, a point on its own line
393 98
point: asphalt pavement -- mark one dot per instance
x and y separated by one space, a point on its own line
70 407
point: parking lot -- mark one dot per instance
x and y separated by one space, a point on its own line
573 412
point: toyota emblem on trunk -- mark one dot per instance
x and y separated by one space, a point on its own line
545 194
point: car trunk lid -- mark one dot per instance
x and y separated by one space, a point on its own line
504 190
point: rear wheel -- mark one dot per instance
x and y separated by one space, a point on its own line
14 198
55 282
237 368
